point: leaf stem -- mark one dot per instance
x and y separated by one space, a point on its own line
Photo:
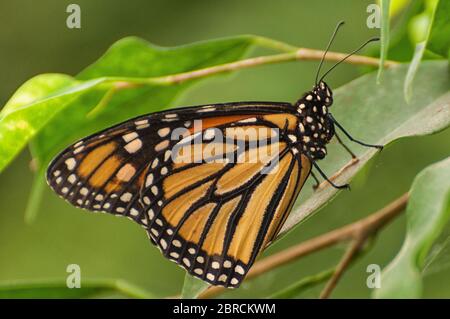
299 54
303 285
104 101
352 250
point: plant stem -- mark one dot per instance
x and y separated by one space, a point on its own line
352 250
359 230
104 101
299 54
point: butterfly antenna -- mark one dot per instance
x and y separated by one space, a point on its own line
349 55
328 47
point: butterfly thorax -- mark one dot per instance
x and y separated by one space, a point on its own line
315 126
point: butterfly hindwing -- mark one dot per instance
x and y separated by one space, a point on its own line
213 217
216 236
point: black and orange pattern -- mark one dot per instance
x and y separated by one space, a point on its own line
212 217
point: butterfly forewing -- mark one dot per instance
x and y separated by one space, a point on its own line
210 204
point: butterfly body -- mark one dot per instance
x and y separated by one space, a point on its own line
316 127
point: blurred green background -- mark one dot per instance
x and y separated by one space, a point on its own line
34 39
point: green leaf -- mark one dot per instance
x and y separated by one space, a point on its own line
400 42
34 201
192 287
439 36
427 213
384 36
438 259
58 289
297 289
430 17
379 114
412 70
136 58
31 107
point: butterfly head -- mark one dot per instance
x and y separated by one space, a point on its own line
315 125
323 93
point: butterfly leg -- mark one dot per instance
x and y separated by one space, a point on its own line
345 146
350 137
327 179
316 185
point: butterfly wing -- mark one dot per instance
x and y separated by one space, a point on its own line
101 172
218 221
213 217
209 216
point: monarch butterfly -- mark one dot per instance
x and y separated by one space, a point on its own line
209 214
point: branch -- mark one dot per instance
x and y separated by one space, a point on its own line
351 252
299 54
359 230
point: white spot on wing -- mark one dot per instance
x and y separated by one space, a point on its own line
78 149
186 262
133 146
126 197
130 136
200 259
162 145
198 271
70 163
134 212
239 269
72 178
141 122
176 243
149 180
163 132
